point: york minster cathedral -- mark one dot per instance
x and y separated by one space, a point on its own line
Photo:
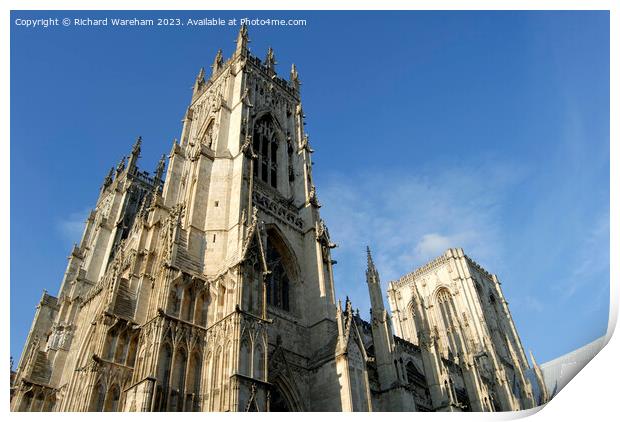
207 285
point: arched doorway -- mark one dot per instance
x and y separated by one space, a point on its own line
278 402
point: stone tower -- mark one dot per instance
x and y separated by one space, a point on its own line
456 312
211 290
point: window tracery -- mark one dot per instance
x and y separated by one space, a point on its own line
278 281
265 145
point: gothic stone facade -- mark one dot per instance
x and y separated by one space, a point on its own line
209 287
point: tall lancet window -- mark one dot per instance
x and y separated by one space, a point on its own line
446 310
278 281
265 145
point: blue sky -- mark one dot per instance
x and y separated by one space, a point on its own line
482 130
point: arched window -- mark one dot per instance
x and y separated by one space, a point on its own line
259 362
265 145
278 281
110 346
121 348
111 402
226 370
357 378
165 363
37 404
189 299
49 403
417 381
208 375
244 358
216 380
202 307
478 287
180 366
98 398
26 402
278 402
177 390
447 311
193 374
131 353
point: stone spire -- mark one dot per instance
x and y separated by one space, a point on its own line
217 62
543 396
372 276
242 40
135 154
200 77
107 181
270 60
121 166
199 82
159 170
382 334
144 206
294 80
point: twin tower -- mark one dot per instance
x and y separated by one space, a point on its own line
209 287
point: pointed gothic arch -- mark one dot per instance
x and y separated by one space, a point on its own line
110 344
132 350
26 401
245 356
358 379
112 399
174 299
194 373
282 281
163 375
202 307
448 317
98 397
188 303
50 402
258 364
284 396
122 347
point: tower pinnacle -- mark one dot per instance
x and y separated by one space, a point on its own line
372 276
295 77
242 40
159 170
108 179
135 154
200 80
217 62
121 166
270 60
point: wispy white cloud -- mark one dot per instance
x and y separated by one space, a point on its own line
532 303
592 258
71 227
409 218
